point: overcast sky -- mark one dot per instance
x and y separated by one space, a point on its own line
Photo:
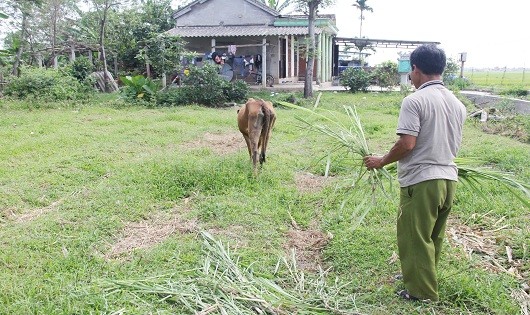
493 33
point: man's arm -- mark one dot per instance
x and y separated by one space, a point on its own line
401 148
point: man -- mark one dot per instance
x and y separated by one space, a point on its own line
430 132
225 71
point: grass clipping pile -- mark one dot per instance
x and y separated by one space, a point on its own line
222 286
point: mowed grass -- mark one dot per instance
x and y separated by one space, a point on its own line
77 180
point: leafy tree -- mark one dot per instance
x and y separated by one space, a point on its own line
128 31
103 7
362 6
452 68
163 52
55 18
21 12
310 8
3 52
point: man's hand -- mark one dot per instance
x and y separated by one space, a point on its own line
373 162
401 148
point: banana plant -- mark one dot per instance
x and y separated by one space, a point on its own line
141 87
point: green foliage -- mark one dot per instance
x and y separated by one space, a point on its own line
81 68
452 69
47 84
460 83
205 86
517 91
138 88
386 74
236 91
163 52
170 97
277 5
355 79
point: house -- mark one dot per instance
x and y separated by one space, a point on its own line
251 31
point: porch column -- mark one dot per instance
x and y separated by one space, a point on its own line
297 60
324 57
286 65
328 58
319 59
213 45
292 59
264 63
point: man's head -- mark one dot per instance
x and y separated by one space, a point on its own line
217 57
429 59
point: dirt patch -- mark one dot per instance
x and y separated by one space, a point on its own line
309 183
221 144
307 245
151 231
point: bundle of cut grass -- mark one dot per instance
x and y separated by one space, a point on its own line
350 139
222 286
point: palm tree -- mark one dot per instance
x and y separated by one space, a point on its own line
277 5
361 5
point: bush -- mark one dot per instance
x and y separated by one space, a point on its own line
386 74
454 82
236 91
355 79
200 86
518 91
81 68
46 84
170 97
461 83
205 86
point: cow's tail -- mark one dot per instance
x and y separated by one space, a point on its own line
265 130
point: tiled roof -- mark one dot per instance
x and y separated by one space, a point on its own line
239 30
259 4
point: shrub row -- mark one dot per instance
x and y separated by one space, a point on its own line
48 85
199 86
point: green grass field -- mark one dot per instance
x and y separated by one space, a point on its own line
104 192
498 80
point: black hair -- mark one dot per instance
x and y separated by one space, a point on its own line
429 59
215 54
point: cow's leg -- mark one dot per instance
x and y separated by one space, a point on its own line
265 136
254 134
249 147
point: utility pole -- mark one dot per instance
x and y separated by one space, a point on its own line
463 57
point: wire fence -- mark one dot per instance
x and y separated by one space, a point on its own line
499 77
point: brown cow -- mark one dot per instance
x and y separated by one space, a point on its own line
255 120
